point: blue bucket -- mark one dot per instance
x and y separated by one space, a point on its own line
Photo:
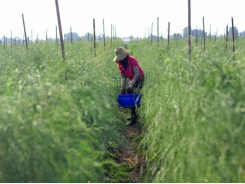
129 100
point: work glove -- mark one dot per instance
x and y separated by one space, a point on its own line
130 86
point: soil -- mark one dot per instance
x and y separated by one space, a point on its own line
130 155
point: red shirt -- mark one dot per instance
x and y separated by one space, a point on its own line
129 72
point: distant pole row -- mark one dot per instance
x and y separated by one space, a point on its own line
113 33
189 33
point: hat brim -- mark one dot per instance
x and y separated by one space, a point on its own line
121 56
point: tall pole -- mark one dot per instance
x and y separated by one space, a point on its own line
168 33
157 29
196 36
60 30
24 30
210 33
115 33
151 32
226 37
94 37
46 35
111 34
4 42
71 35
31 36
56 39
233 35
11 41
104 33
204 39
189 28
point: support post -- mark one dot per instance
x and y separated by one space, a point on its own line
189 28
11 41
111 34
24 30
168 33
94 38
157 29
233 36
60 30
204 34
56 39
104 32
151 32
226 37
71 35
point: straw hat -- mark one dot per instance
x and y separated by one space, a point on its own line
120 53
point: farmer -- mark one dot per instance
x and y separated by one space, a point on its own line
131 70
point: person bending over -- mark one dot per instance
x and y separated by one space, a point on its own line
129 69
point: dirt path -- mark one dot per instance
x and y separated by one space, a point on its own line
130 155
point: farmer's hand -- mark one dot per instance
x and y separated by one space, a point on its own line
130 85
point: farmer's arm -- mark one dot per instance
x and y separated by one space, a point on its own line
123 83
136 76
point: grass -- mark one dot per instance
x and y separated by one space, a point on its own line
59 121
58 118
193 113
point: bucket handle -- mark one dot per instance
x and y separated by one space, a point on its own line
138 97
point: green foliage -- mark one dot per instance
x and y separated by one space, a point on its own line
58 118
193 112
40 137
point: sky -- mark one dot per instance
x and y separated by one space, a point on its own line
128 17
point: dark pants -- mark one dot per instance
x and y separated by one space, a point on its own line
136 89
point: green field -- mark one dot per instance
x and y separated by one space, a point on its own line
59 120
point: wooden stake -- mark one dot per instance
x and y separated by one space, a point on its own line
168 33
115 32
204 34
56 39
196 36
94 38
4 42
111 34
189 28
24 30
226 36
157 29
60 30
104 33
151 32
233 35
215 37
91 40
46 35
71 35
161 37
11 42
210 34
